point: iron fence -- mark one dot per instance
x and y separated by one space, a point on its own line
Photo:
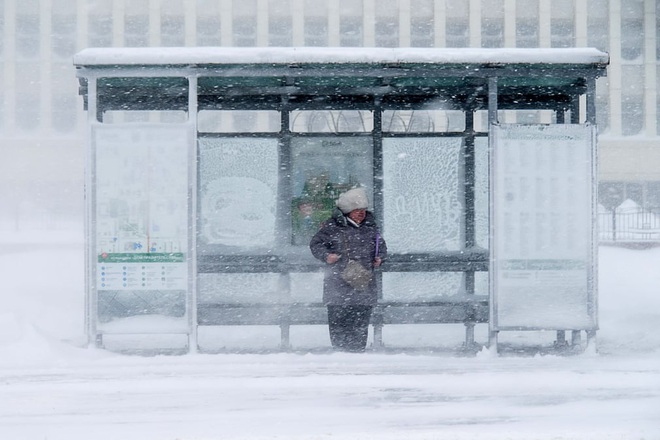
629 225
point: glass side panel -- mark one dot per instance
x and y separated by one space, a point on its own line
481 188
141 202
237 193
323 168
422 202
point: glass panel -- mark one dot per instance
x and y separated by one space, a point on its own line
238 288
481 191
141 221
323 168
423 121
137 116
422 206
332 121
238 121
424 286
238 192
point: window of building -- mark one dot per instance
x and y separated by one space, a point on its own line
611 194
316 31
244 22
457 33
653 196
562 24
63 35
602 104
99 30
492 32
2 31
351 25
457 25
245 31
527 32
208 31
632 100
387 24
632 30
280 31
492 23
527 23
27 112
387 32
136 31
598 24
27 36
657 32
172 31
421 24
657 100
64 112
421 32
280 23
351 29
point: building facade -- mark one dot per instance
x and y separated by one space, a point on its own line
42 117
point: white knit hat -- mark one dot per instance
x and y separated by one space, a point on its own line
352 199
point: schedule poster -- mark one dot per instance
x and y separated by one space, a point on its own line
542 231
141 208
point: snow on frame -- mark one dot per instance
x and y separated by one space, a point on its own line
329 55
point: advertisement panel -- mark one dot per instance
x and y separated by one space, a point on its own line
542 228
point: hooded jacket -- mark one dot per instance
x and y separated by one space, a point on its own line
337 235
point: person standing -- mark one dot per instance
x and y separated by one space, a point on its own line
351 246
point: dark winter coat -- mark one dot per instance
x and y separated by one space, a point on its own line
337 236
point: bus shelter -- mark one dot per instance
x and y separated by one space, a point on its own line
208 169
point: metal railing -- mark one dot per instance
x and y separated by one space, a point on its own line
629 224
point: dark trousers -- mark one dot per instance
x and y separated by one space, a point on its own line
349 327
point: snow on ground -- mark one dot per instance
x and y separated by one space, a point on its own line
52 387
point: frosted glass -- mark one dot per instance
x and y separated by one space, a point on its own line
481 188
238 191
422 207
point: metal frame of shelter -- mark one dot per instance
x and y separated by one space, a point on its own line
288 80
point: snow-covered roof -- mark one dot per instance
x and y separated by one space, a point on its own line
153 56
